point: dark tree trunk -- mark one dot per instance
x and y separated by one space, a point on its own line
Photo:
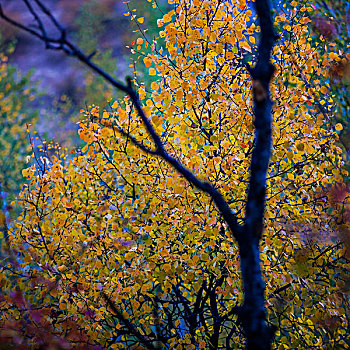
253 314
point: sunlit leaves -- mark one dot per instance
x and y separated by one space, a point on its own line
111 218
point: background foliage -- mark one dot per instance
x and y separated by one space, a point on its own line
16 111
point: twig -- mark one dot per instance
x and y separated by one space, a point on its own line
133 330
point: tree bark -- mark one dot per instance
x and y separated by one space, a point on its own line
253 314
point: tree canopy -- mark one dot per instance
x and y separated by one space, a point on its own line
117 248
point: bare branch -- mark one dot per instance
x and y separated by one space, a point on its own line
36 17
19 25
133 330
50 15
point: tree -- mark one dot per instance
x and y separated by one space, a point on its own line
152 234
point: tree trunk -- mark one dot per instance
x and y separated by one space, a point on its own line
253 314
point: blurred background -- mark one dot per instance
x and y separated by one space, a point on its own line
63 85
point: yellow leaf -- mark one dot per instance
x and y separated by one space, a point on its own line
152 71
252 39
147 61
166 18
2 218
290 176
333 56
54 292
323 89
167 267
338 127
142 92
300 146
141 19
62 306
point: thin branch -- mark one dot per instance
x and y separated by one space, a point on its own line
21 26
280 290
50 15
133 330
36 17
135 142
